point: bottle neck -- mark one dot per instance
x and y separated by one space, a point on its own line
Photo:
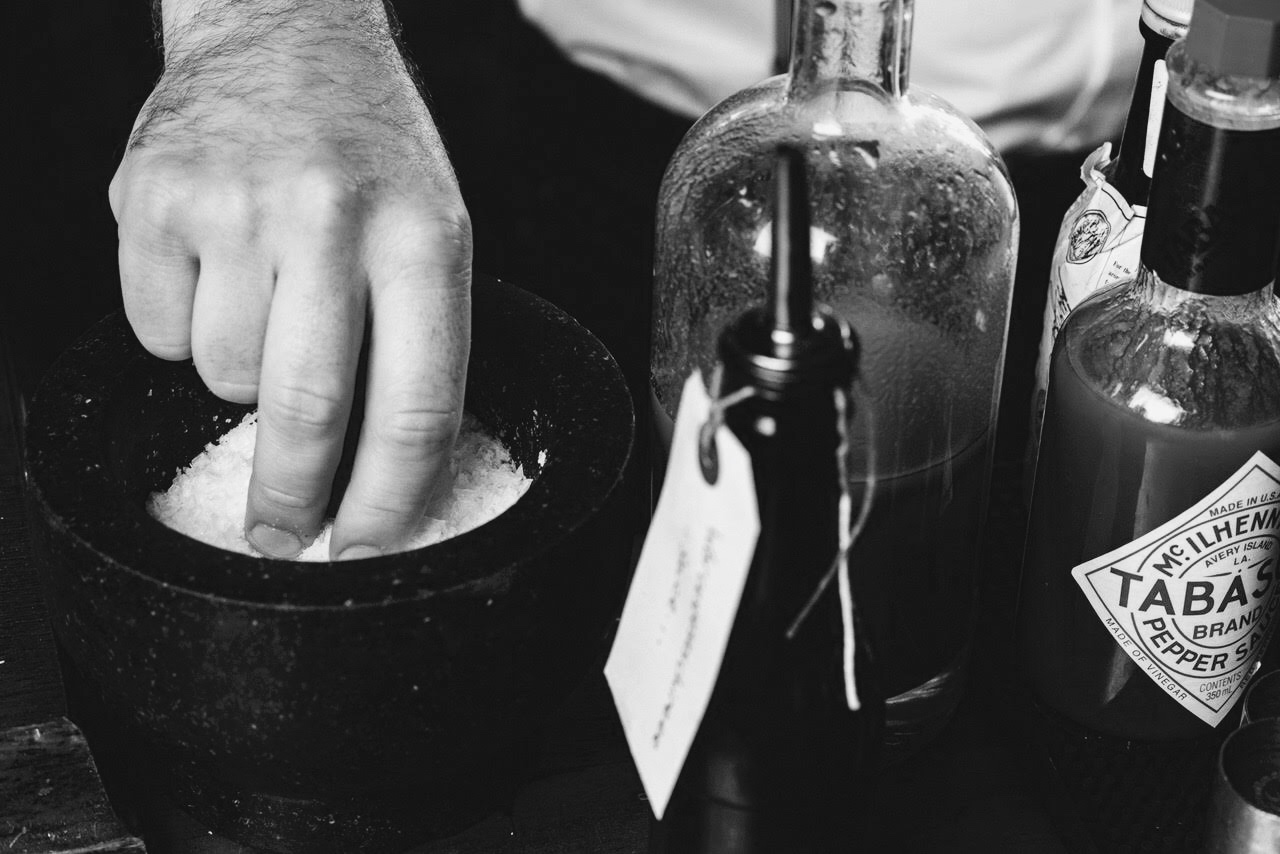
1213 223
792 433
1167 297
838 42
1127 172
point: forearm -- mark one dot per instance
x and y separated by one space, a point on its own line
249 51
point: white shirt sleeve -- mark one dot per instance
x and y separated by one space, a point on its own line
1048 74
1036 74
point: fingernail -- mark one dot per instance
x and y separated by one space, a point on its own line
359 552
275 542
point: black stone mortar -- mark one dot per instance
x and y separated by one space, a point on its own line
353 706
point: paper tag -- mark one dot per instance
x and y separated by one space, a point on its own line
1099 245
1193 602
683 599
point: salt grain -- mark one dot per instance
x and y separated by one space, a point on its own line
207 499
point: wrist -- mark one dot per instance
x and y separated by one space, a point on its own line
191 27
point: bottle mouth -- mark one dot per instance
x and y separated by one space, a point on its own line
822 360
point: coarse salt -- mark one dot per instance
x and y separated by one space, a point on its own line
207 499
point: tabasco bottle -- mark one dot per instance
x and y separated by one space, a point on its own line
1150 587
1101 232
786 750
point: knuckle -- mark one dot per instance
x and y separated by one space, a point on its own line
230 207
325 194
308 410
158 192
389 515
418 432
435 246
448 231
288 498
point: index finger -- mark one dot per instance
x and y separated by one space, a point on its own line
420 305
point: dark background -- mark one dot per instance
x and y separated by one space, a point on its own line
76 77
559 168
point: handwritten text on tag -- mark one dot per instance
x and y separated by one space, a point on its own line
683 599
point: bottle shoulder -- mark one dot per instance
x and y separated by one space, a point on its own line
756 110
1179 358
904 149
915 123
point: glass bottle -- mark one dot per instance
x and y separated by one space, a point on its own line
914 239
781 762
1101 233
1148 591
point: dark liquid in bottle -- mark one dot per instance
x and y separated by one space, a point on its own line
919 551
1105 477
780 763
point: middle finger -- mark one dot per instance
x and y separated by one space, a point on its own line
308 374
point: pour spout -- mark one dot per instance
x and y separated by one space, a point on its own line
790 299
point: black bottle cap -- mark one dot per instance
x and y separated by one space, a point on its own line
1238 37
788 343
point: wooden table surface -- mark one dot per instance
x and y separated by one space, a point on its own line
51 799
991 783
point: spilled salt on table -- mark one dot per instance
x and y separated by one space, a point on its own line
207 499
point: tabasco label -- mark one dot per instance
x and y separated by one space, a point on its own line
1194 601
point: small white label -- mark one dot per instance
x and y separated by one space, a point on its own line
1098 245
1155 115
683 599
1193 602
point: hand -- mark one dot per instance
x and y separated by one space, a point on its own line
283 183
